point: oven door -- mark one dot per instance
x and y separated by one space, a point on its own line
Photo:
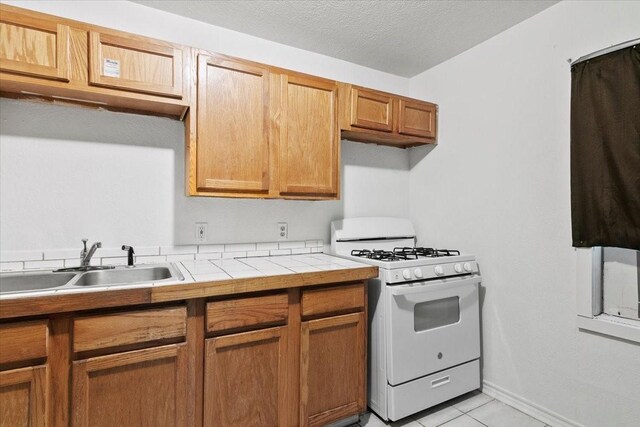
432 326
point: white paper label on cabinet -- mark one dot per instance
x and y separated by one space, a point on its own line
111 68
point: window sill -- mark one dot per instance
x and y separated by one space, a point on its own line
626 329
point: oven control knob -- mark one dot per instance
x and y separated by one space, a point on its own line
418 273
406 274
438 270
467 267
458 268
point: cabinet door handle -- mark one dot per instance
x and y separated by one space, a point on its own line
440 381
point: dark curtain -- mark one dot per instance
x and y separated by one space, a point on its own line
605 150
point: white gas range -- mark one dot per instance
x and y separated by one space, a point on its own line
424 334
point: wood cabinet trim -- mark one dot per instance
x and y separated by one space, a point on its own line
130 327
21 341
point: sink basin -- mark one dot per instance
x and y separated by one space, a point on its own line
33 281
128 276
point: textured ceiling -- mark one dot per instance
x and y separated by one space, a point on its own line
399 37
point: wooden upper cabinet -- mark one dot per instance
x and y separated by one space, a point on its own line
417 119
371 110
309 137
135 63
368 115
33 45
232 126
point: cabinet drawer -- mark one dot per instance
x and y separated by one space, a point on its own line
242 313
332 300
23 341
128 327
135 64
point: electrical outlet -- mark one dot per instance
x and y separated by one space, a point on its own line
283 231
201 232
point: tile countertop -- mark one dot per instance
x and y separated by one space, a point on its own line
202 278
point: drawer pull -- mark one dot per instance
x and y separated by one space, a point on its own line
440 381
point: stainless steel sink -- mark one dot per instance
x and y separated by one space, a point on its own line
33 281
129 276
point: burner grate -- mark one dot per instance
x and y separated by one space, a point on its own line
403 253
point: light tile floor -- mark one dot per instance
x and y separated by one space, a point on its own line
473 409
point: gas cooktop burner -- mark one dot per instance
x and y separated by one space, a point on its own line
403 254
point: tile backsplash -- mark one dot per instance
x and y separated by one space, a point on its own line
58 258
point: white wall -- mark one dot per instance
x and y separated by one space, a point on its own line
497 185
69 172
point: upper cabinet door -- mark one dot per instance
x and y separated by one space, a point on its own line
417 119
232 127
371 110
135 64
309 137
34 46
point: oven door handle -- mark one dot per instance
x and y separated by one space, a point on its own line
429 286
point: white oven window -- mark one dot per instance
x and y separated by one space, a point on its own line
435 314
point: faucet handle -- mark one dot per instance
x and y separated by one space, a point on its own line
84 242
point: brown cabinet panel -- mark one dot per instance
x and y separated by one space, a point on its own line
135 64
128 327
371 110
332 369
23 397
332 300
245 377
309 139
233 126
417 119
240 313
34 46
22 341
142 388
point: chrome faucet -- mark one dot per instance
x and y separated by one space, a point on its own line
85 256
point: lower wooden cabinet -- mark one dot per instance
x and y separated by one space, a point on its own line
245 377
332 358
138 388
23 397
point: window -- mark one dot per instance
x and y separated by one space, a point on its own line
621 283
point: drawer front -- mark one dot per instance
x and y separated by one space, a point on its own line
333 300
23 341
135 64
371 110
425 392
128 327
243 313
